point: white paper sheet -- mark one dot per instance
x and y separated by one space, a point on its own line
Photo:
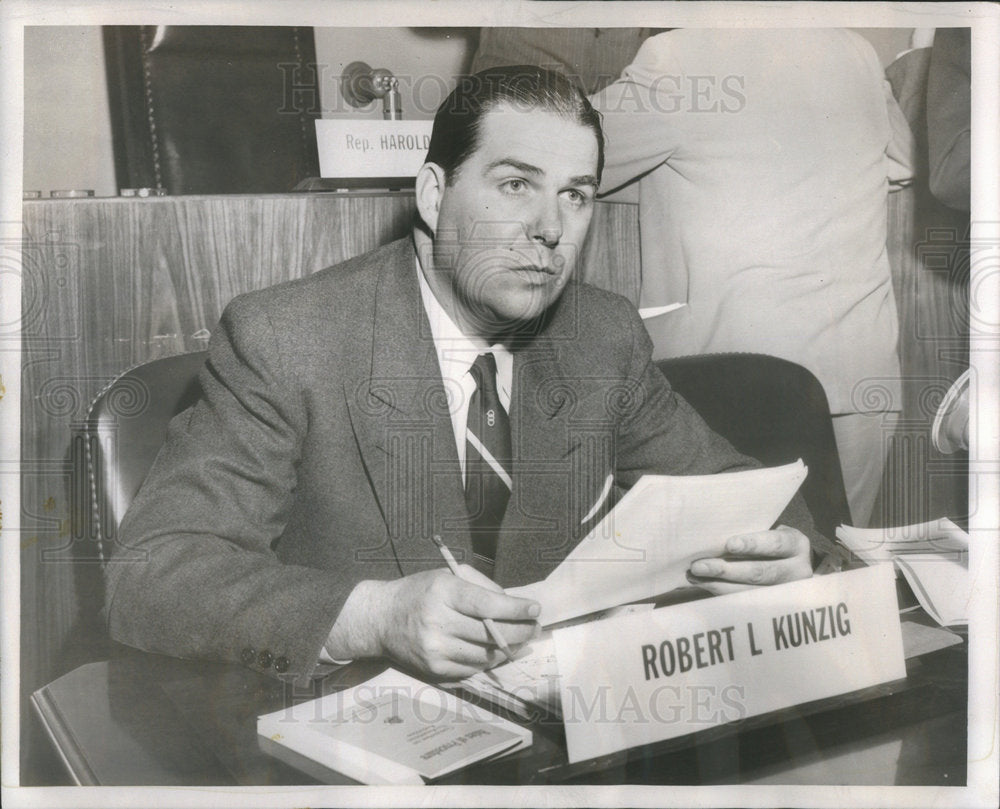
646 544
941 585
874 545
655 311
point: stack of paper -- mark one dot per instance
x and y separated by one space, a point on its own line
526 687
932 556
874 545
529 684
645 545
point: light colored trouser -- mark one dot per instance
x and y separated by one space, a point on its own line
863 444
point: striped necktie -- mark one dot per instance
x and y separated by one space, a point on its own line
487 463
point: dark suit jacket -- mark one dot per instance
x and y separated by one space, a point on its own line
322 453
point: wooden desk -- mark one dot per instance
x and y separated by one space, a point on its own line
142 719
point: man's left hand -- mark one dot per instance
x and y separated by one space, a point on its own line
765 557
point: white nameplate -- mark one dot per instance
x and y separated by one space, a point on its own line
641 678
371 148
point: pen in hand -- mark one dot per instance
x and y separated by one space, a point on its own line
491 627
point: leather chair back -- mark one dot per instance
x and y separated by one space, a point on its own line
204 109
773 410
129 421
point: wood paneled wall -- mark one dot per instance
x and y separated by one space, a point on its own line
109 283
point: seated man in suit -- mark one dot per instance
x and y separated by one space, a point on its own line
457 383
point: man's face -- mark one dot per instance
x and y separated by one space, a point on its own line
511 224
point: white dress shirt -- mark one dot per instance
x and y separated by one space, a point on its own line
456 352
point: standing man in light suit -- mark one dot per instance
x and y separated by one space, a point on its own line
457 383
763 159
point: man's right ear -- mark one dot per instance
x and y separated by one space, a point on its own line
430 187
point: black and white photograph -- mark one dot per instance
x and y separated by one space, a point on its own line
499 404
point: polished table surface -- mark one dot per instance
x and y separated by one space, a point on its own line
144 719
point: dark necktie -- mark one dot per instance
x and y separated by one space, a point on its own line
487 463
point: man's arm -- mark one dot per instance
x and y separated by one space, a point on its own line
639 114
194 573
949 122
900 151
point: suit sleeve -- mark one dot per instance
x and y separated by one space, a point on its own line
949 123
638 114
193 573
663 435
900 151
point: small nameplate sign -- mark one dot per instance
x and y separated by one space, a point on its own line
642 678
371 148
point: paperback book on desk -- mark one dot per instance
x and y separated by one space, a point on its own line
392 729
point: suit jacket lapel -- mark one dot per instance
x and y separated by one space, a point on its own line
399 411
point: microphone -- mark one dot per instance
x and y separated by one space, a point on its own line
361 85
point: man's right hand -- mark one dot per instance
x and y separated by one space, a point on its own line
432 622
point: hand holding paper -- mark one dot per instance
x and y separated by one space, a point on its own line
648 543
763 557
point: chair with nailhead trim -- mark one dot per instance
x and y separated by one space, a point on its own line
126 426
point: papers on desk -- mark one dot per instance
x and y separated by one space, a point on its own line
940 584
530 685
645 545
526 689
392 729
933 558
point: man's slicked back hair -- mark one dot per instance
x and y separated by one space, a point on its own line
457 124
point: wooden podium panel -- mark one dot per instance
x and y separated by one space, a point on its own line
110 283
